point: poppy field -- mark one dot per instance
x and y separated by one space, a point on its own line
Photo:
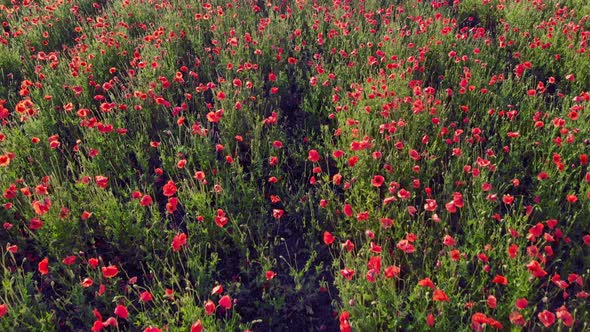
246 165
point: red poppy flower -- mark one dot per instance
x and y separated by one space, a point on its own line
347 210
448 241
178 242
145 296
146 200
121 311
217 290
521 303
3 309
209 307
517 318
35 224
439 296
392 271
221 219
571 198
547 318
404 194
430 320
492 302
87 282
377 181
348 245
347 273
225 302
508 199
169 189
270 275
535 268
43 266
69 260
152 329
328 238
277 213
110 271
4 160
430 205
93 262
565 316
197 326
85 215
344 324
406 246
426 282
101 290
169 294
313 156
499 279
172 205
101 181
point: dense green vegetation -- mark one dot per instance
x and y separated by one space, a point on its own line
249 165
